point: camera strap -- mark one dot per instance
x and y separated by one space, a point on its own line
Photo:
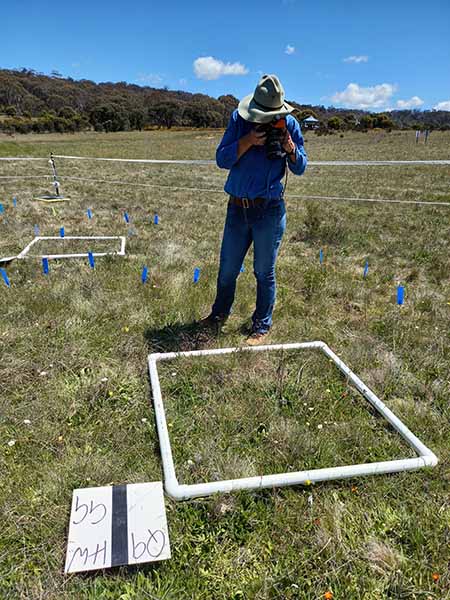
286 166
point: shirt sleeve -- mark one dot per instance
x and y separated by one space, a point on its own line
301 160
227 150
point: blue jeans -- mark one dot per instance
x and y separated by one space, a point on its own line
264 226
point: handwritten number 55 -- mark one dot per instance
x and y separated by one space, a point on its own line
94 508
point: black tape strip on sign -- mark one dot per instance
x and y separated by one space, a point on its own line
119 525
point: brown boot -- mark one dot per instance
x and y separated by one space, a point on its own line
256 338
213 321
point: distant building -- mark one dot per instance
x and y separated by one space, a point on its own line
310 123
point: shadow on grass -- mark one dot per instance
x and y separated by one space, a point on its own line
181 337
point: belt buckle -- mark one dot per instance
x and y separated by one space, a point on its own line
245 203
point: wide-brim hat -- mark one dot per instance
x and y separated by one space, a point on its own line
266 103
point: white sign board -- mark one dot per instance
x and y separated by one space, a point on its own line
117 525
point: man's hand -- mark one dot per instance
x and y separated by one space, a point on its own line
288 144
256 138
253 138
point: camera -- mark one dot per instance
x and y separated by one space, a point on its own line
275 132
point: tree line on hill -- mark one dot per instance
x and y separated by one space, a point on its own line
34 102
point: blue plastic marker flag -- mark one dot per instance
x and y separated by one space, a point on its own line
366 269
156 219
61 232
91 260
400 294
321 256
144 275
45 268
5 277
126 217
196 274
242 269
2 208
36 230
14 202
89 213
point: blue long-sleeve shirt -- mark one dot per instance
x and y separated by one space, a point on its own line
254 175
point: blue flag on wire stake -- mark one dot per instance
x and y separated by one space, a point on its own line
5 277
36 230
61 232
15 202
126 217
400 294
321 256
89 213
242 269
91 260
156 219
196 274
2 208
366 269
144 275
45 268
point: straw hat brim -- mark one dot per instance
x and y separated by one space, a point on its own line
249 110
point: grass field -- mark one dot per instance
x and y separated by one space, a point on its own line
75 406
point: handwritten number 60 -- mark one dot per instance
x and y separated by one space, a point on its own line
140 548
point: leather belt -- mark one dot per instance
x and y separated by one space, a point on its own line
247 202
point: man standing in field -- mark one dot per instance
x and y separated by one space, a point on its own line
261 141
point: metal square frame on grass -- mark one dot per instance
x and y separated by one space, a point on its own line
121 252
178 491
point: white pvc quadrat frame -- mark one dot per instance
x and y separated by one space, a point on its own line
120 252
178 491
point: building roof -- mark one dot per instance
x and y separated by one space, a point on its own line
311 119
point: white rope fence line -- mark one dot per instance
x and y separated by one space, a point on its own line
349 163
221 191
376 163
21 158
376 200
25 176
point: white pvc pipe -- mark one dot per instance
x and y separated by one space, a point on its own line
216 351
170 480
27 248
183 492
413 441
121 252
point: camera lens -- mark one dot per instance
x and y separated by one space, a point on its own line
274 149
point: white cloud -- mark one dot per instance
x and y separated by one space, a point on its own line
150 78
355 96
413 102
289 49
356 59
445 105
209 68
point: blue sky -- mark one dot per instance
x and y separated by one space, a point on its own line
383 55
